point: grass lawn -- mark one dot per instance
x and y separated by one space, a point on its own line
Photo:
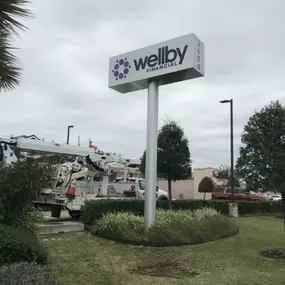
81 259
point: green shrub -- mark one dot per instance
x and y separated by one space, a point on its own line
245 207
206 185
32 219
20 183
25 274
94 210
193 232
170 228
183 217
249 207
20 244
184 226
123 224
220 206
203 213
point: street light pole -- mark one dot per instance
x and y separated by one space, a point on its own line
68 132
232 144
232 148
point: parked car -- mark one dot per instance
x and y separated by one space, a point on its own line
275 197
225 193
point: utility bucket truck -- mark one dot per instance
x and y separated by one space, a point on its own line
84 176
130 188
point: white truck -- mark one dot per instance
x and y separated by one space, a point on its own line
87 177
134 188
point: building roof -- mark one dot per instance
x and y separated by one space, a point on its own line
219 182
32 137
204 168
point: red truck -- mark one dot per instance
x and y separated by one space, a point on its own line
225 193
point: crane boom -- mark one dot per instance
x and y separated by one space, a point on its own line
88 166
65 149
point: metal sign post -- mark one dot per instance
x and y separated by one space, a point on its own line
151 153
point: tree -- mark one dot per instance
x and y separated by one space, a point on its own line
262 158
206 185
142 165
173 155
224 172
10 12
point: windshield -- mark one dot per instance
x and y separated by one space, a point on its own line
219 189
239 190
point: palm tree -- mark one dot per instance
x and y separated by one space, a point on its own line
10 12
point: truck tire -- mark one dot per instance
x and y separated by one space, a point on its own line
162 197
55 211
75 215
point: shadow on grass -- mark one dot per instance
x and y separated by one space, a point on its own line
161 244
251 215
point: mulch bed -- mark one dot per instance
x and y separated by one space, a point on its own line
274 254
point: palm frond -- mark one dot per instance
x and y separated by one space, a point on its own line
10 71
10 12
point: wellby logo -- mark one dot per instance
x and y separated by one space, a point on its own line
164 58
121 68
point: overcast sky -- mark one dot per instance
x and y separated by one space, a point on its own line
65 54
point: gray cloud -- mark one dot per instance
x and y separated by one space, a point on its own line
65 57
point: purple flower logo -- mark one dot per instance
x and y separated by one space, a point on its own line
121 68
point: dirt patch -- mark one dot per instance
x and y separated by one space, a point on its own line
274 254
166 269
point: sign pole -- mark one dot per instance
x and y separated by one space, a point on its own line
151 154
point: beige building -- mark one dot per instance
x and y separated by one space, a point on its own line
188 189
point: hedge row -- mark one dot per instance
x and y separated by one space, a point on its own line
95 209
